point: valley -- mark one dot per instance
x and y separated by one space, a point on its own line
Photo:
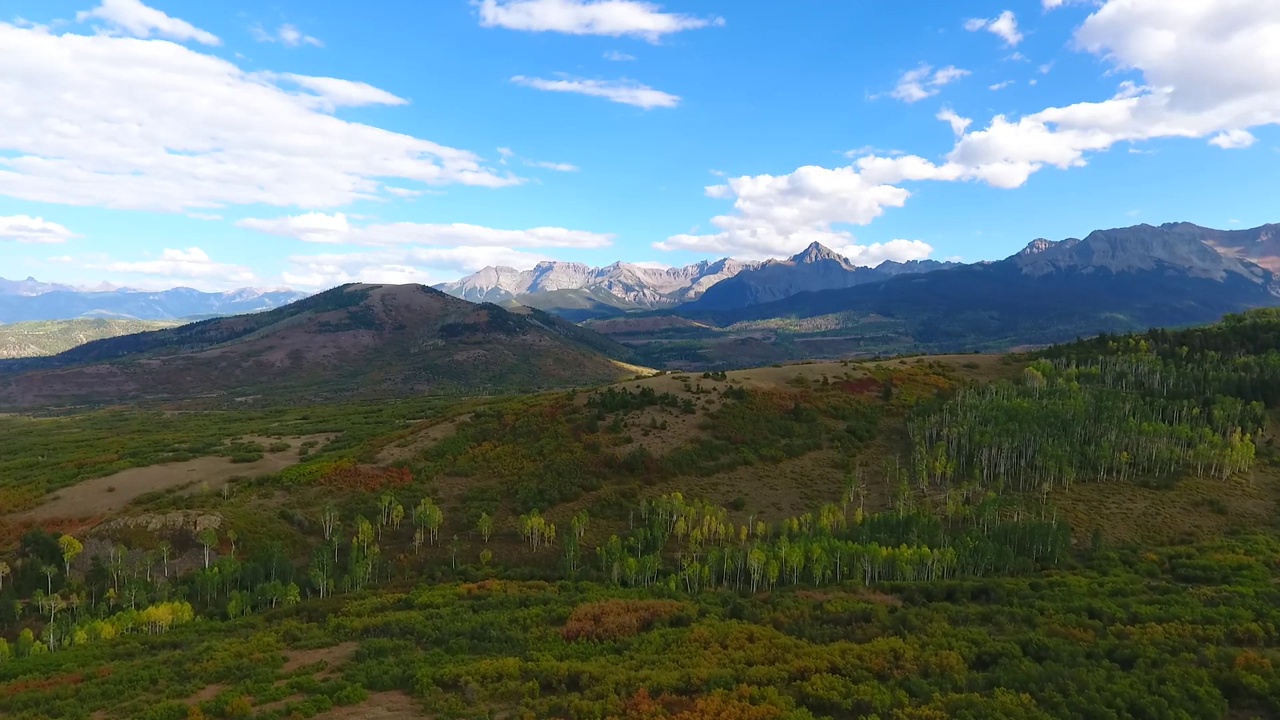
639 360
971 535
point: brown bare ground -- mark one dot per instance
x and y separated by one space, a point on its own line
105 495
1125 512
380 706
333 656
208 692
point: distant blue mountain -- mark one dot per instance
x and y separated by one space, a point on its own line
30 299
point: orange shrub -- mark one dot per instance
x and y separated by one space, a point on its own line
615 619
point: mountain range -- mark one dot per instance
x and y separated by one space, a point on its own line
578 291
386 341
354 340
30 299
815 268
1112 280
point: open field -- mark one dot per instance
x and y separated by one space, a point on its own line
111 493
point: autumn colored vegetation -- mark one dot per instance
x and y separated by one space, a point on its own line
527 565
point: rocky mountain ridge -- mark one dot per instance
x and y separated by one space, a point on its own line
632 285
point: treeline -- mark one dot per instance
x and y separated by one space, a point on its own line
693 546
1110 418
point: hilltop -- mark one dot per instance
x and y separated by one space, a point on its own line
355 340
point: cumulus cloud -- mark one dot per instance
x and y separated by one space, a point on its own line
27 229
619 91
1003 26
958 124
613 18
1233 139
924 82
336 228
131 17
1000 85
615 56
287 35
781 215
896 250
147 124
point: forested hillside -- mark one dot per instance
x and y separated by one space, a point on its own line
906 538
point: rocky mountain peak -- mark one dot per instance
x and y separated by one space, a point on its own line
817 252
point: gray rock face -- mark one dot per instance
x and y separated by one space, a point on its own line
816 268
1137 249
630 284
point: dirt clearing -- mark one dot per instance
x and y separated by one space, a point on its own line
105 495
331 656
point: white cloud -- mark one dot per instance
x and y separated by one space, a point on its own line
27 229
131 17
323 228
958 124
177 266
204 216
615 56
876 253
1191 54
287 35
401 265
148 124
401 192
1233 139
868 150
331 93
613 18
780 215
619 91
558 167
1003 26
1000 85
923 82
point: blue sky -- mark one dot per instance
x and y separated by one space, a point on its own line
218 145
